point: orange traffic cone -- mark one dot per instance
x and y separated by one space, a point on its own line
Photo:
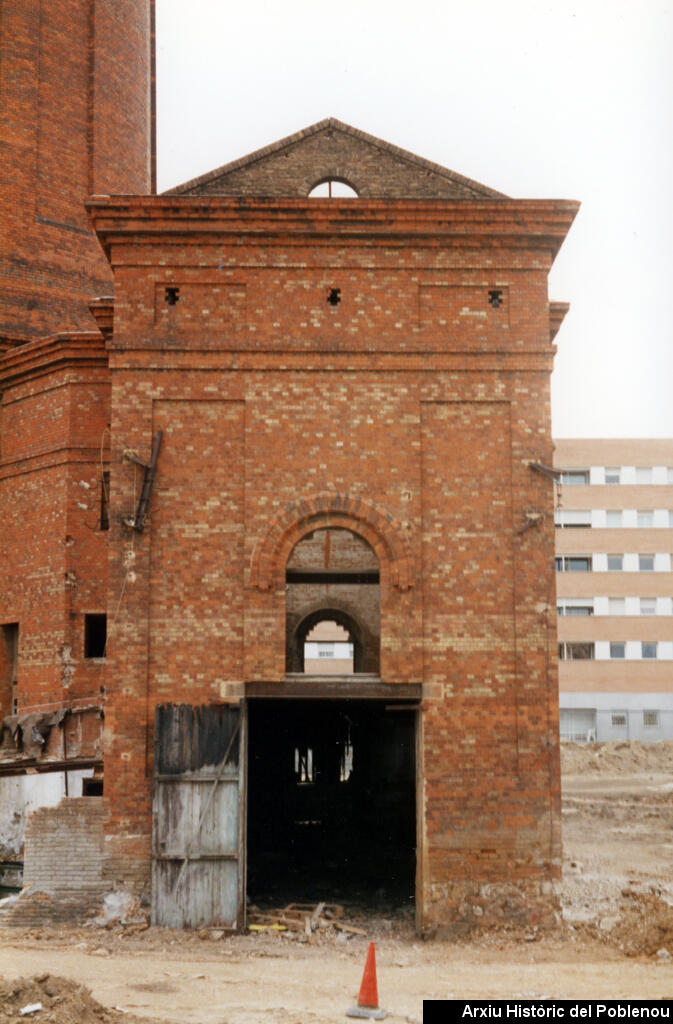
368 999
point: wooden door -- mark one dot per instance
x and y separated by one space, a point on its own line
198 818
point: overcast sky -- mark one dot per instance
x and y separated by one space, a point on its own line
549 100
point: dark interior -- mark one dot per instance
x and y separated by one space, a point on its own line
331 802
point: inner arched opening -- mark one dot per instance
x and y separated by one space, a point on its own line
333 605
328 649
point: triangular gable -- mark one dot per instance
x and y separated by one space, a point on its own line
292 166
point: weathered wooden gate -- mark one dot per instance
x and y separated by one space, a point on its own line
198 819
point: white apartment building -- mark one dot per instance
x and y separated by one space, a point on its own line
614 585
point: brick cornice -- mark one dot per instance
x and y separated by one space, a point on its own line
484 223
47 354
557 314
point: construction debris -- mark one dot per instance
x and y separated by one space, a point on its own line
55 1000
617 757
303 918
121 907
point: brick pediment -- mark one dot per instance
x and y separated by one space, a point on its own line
333 150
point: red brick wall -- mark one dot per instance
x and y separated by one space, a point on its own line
408 414
75 119
53 447
196 596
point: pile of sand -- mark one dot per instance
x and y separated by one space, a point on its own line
640 925
61 1001
619 757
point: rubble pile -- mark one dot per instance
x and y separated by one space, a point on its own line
56 1000
644 925
618 757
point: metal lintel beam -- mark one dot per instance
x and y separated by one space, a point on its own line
335 688
41 767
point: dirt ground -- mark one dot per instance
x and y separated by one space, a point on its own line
615 939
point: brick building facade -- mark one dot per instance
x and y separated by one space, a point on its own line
303 410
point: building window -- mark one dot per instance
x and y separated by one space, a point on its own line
615 563
95 635
618 719
304 766
612 475
648 606
617 649
670 518
613 518
105 500
651 719
566 517
645 518
575 476
578 724
573 563
333 188
646 563
648 649
616 606
643 474
10 660
574 606
576 651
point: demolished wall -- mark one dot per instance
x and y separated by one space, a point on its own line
62 863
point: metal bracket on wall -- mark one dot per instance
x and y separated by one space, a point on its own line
538 467
137 522
531 519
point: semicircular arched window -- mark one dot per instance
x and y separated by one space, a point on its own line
332 188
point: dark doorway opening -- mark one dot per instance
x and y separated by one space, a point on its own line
331 802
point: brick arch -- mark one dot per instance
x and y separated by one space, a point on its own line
336 511
347 175
337 176
340 613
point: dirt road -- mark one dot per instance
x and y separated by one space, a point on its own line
243 981
616 940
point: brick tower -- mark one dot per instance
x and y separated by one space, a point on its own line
76 119
298 410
